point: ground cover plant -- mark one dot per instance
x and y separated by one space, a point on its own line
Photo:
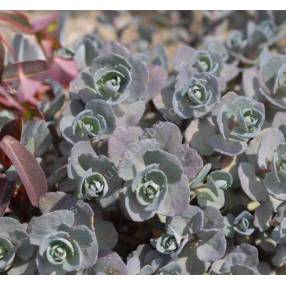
153 143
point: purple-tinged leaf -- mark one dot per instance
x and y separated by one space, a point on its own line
16 20
121 140
6 192
248 77
262 215
63 70
229 148
36 70
190 159
157 80
252 187
29 170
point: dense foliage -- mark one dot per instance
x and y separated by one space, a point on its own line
137 159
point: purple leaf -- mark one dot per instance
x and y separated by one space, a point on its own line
36 70
29 170
6 192
253 188
157 80
16 20
63 70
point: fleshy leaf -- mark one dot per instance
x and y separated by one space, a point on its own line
253 188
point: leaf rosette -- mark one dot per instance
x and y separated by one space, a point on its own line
91 177
211 193
196 96
202 61
205 239
14 244
114 76
248 46
95 121
169 243
63 246
159 186
239 120
243 223
272 80
243 260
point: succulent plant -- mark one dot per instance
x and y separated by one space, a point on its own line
159 186
247 46
91 177
94 121
170 243
86 49
243 260
114 76
243 223
274 180
62 247
157 159
239 120
170 139
166 243
203 61
206 241
271 78
144 261
253 186
212 192
14 244
196 96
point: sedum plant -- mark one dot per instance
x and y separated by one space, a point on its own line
14 244
242 224
114 76
62 247
243 259
267 80
239 120
274 180
212 192
196 96
91 177
272 81
155 145
94 121
159 186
